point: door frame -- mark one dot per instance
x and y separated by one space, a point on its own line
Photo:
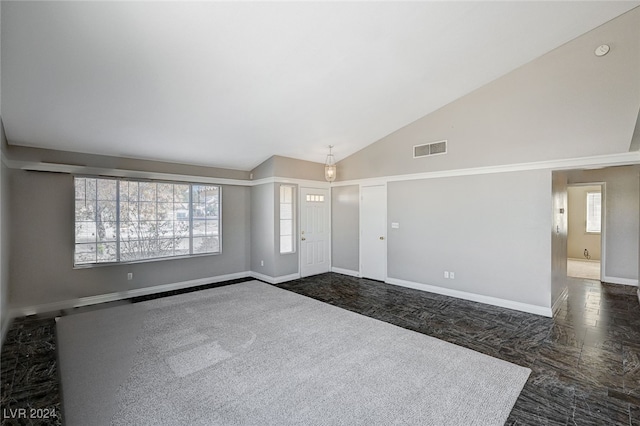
603 224
361 214
299 223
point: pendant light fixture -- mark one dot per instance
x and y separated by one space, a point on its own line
330 167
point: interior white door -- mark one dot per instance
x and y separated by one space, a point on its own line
373 232
315 233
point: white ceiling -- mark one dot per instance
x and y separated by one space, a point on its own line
229 84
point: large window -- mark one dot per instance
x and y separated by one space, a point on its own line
121 220
594 209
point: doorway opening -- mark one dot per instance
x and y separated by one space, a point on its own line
585 229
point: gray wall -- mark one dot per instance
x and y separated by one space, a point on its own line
491 230
4 229
299 169
622 193
264 170
285 167
41 236
566 104
4 245
265 233
263 229
635 141
41 264
578 239
345 227
559 231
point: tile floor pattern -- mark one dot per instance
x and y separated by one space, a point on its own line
585 362
29 375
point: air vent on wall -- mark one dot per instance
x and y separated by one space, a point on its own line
427 149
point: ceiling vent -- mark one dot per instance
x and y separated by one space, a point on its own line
433 148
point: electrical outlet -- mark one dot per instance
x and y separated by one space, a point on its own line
130 276
262 263
446 274
452 275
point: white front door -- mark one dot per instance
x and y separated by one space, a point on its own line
315 233
373 232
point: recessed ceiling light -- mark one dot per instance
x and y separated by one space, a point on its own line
602 50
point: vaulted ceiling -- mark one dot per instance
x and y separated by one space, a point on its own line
228 84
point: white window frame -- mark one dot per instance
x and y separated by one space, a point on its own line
118 239
289 231
590 222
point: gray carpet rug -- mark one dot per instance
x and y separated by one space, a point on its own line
254 354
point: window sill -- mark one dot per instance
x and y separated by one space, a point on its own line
135 262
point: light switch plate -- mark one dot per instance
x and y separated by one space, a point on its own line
395 225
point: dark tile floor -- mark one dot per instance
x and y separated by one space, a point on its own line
29 376
585 362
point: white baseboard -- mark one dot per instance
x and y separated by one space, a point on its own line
111 297
563 296
348 272
509 304
274 280
622 281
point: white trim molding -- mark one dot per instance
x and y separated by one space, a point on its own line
274 280
488 300
621 281
127 294
125 173
348 272
300 182
122 173
625 158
